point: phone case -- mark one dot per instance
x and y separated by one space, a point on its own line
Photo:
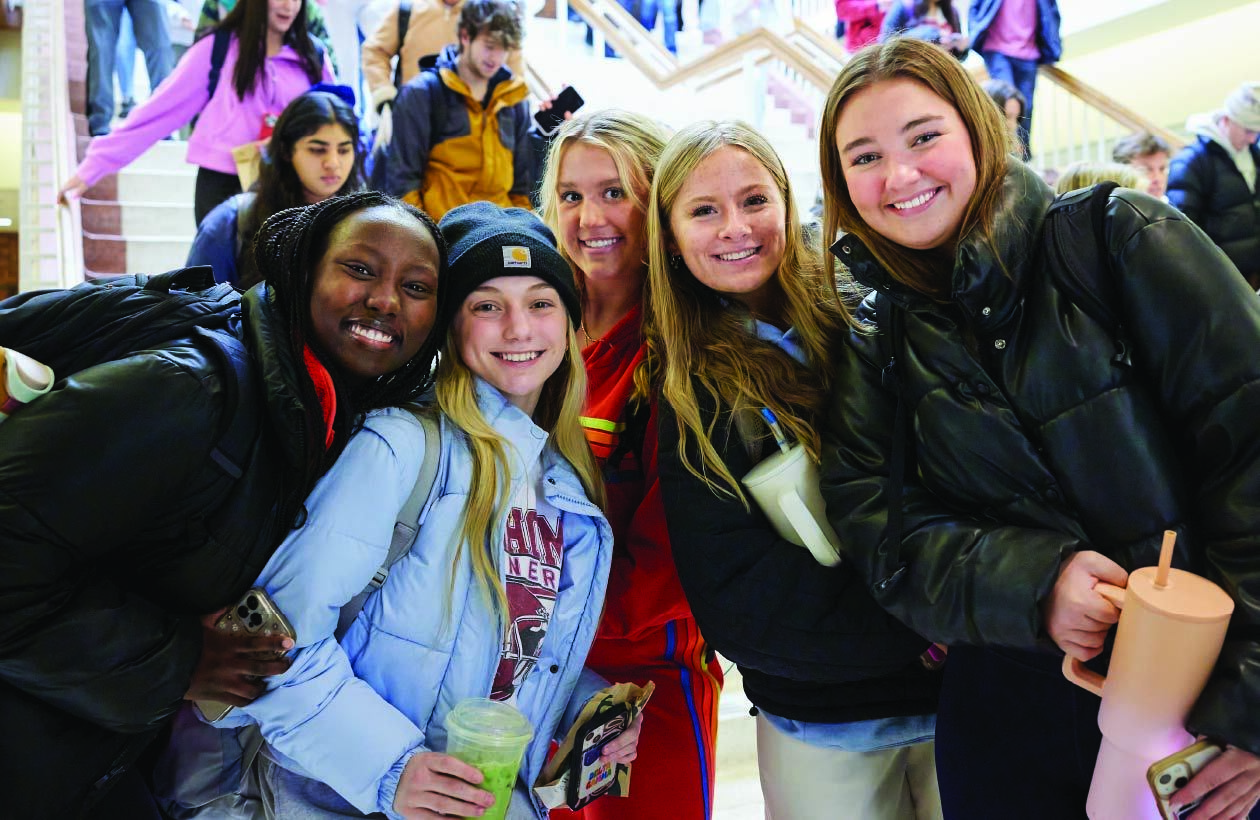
567 101
254 614
589 777
1170 774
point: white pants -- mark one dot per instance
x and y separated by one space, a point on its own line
804 782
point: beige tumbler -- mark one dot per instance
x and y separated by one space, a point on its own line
1172 626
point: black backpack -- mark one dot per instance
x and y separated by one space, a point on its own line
114 317
1073 232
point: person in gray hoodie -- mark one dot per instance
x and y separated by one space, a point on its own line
1213 180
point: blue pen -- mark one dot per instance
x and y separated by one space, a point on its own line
768 415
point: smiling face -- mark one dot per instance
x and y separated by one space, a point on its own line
323 161
513 332
481 56
729 224
601 229
374 294
907 162
281 14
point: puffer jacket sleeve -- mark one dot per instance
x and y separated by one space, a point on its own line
760 600
318 713
965 579
1195 325
1187 177
85 472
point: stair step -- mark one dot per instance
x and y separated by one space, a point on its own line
172 187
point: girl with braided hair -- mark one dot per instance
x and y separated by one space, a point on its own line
109 604
499 595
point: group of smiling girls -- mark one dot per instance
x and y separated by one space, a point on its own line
684 297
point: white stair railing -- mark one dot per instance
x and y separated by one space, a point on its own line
51 243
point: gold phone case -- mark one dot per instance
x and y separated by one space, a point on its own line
254 614
1168 775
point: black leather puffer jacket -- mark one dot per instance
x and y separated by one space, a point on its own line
116 534
1206 185
1029 444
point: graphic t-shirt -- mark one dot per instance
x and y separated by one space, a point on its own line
533 543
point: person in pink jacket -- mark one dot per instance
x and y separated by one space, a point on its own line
270 59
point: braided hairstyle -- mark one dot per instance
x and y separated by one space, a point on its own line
288 248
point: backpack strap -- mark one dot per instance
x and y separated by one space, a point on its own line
404 21
1081 266
222 39
407 524
231 452
890 320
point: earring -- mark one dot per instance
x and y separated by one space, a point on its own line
675 261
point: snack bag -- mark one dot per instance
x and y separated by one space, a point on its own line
575 775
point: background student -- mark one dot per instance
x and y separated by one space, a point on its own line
270 60
314 153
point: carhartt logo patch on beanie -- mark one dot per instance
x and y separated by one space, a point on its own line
487 242
1243 106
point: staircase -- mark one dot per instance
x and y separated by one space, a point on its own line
141 220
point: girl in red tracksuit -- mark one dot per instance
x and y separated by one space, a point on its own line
594 189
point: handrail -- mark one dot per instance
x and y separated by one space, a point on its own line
624 33
51 235
1119 112
536 84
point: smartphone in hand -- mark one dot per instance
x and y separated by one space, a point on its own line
1170 774
566 102
254 614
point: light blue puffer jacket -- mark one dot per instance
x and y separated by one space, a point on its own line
351 715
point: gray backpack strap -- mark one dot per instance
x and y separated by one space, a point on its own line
407 525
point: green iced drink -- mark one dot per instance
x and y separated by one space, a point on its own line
490 736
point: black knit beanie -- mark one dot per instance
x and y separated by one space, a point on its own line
487 241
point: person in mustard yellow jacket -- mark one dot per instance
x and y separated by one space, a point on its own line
461 128
430 26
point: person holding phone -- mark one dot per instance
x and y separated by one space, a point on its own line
500 593
1039 449
594 196
123 540
743 316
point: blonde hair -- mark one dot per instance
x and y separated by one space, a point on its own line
695 336
1085 174
558 412
633 141
991 145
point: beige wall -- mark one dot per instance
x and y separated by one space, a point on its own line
1167 74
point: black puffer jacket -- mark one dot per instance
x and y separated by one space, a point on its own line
810 642
1029 444
116 533
1206 185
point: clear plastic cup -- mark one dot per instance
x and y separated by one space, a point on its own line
490 736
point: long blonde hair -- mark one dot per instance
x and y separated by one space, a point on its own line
939 72
695 336
633 141
558 412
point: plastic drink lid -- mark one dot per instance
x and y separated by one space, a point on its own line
1186 597
490 721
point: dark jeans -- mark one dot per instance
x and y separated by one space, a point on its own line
1013 737
213 187
103 18
1023 75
